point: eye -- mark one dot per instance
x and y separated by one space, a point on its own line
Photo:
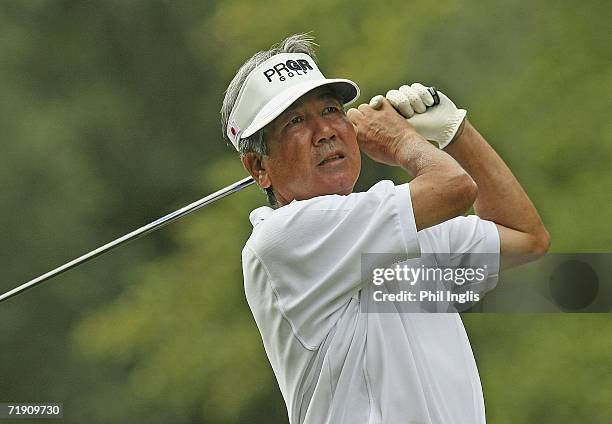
295 120
331 109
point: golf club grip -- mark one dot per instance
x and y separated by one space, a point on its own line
434 94
377 100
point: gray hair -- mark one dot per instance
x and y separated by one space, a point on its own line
297 43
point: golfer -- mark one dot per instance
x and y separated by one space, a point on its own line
302 265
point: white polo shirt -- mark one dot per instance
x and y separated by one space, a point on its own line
335 364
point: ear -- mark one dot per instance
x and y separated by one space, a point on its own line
254 165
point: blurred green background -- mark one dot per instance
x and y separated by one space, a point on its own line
109 119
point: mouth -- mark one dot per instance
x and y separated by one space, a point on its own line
335 157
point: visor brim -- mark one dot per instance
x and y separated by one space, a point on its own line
347 89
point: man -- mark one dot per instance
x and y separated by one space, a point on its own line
302 264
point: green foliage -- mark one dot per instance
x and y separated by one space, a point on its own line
109 118
543 368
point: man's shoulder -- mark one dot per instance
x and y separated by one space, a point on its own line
288 225
294 211
325 202
309 221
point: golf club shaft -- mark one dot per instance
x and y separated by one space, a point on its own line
237 186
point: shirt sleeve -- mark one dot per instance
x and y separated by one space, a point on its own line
313 251
464 242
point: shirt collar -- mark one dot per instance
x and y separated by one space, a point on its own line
259 214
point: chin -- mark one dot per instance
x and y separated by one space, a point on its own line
342 187
345 190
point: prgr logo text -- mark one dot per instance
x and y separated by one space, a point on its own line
289 69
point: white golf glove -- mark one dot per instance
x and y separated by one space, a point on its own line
438 123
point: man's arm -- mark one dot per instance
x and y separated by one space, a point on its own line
501 199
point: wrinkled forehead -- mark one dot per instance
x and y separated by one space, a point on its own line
324 93
319 93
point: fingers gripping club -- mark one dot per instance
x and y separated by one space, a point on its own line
377 101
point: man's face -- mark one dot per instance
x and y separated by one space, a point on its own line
312 149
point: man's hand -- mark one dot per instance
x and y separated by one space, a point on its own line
440 123
382 133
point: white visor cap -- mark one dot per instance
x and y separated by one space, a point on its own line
273 86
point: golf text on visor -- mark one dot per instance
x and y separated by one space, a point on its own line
273 86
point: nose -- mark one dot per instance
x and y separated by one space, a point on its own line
322 131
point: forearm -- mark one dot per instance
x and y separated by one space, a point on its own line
441 188
501 198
